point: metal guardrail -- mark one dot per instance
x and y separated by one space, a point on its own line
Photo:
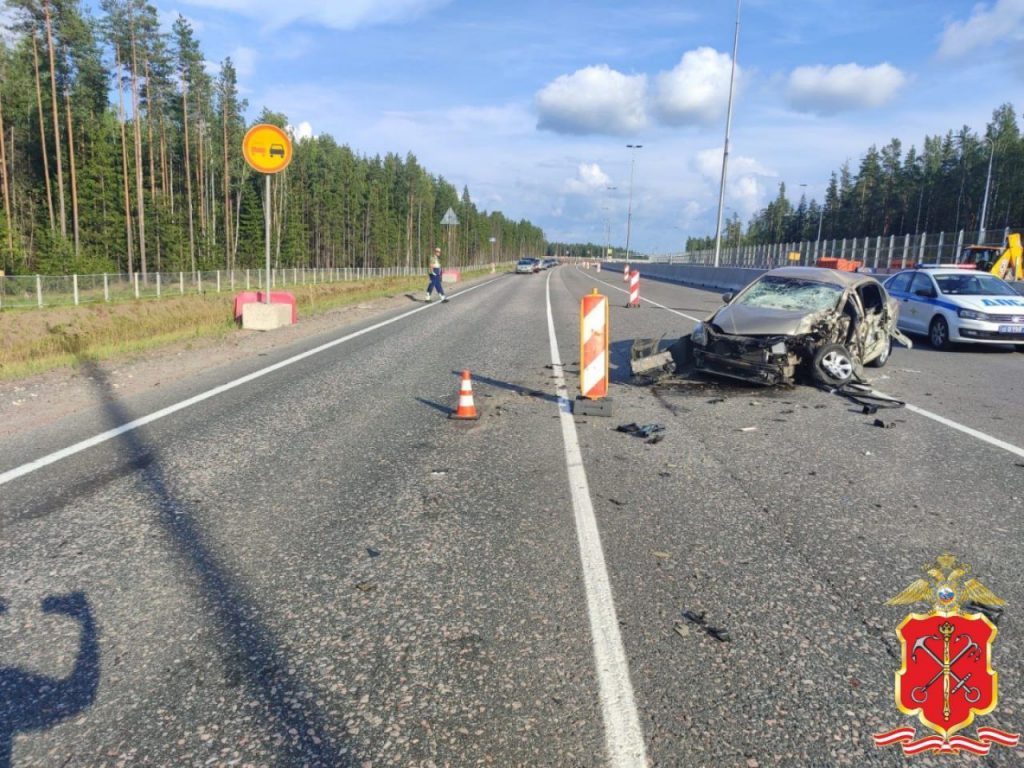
878 252
28 291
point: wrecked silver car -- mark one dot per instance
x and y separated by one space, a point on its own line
793 320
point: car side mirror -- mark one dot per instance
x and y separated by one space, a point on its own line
727 297
925 293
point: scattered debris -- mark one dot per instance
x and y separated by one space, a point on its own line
884 424
616 502
699 619
681 629
438 472
869 410
748 429
669 474
372 552
365 586
655 440
867 453
716 400
660 555
640 431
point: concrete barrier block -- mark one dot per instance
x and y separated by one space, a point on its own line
265 317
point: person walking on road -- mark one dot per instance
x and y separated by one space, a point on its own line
435 277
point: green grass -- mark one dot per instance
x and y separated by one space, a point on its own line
33 341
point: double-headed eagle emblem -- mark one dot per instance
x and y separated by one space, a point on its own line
946 677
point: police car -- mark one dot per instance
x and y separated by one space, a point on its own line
958 306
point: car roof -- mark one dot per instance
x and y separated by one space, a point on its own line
822 275
951 271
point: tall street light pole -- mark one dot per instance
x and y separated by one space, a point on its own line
728 128
988 183
629 211
608 226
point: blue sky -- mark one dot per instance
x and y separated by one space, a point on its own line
531 103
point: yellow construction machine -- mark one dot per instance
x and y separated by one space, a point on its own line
1006 262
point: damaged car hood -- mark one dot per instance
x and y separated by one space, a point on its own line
745 320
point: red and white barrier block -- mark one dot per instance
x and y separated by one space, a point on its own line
634 289
625 274
594 337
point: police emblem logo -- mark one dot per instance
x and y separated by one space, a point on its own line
946 677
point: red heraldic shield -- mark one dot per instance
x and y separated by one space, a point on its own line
946 678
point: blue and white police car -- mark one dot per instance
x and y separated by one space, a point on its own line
958 306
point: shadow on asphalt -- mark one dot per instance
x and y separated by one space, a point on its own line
436 406
31 702
252 655
519 389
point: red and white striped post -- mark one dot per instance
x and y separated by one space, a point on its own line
625 274
594 346
634 289
599 266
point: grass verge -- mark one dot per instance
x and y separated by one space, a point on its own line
36 340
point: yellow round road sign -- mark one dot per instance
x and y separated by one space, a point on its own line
267 148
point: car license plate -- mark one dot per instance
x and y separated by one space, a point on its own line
1011 328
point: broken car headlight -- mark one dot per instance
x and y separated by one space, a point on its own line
970 314
699 335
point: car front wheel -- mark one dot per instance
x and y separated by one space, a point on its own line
832 365
938 334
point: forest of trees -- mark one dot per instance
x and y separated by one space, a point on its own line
939 188
153 177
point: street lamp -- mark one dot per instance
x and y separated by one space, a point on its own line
629 212
988 183
728 128
821 215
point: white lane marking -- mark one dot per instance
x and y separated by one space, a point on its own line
660 306
63 453
910 407
967 430
624 740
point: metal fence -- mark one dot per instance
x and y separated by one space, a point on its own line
878 252
24 291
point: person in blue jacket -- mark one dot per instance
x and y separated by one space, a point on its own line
435 277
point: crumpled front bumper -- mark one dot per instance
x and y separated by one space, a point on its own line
748 358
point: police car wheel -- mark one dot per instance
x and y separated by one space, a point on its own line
938 334
883 358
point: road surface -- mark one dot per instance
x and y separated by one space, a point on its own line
315 566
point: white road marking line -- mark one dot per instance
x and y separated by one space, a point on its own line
32 466
967 430
977 434
624 740
656 304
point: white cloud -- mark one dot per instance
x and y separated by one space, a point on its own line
300 132
828 90
986 25
593 100
696 90
745 188
589 178
346 14
708 162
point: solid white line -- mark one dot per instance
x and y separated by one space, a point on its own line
967 430
656 304
624 740
995 441
32 466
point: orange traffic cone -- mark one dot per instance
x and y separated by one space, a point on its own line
466 409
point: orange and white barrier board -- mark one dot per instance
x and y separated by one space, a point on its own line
594 346
634 289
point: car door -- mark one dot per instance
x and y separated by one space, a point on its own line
899 288
919 305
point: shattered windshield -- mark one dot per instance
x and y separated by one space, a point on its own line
791 294
973 285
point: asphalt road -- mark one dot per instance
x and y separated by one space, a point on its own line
318 567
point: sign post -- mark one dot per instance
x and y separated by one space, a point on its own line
450 220
268 150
